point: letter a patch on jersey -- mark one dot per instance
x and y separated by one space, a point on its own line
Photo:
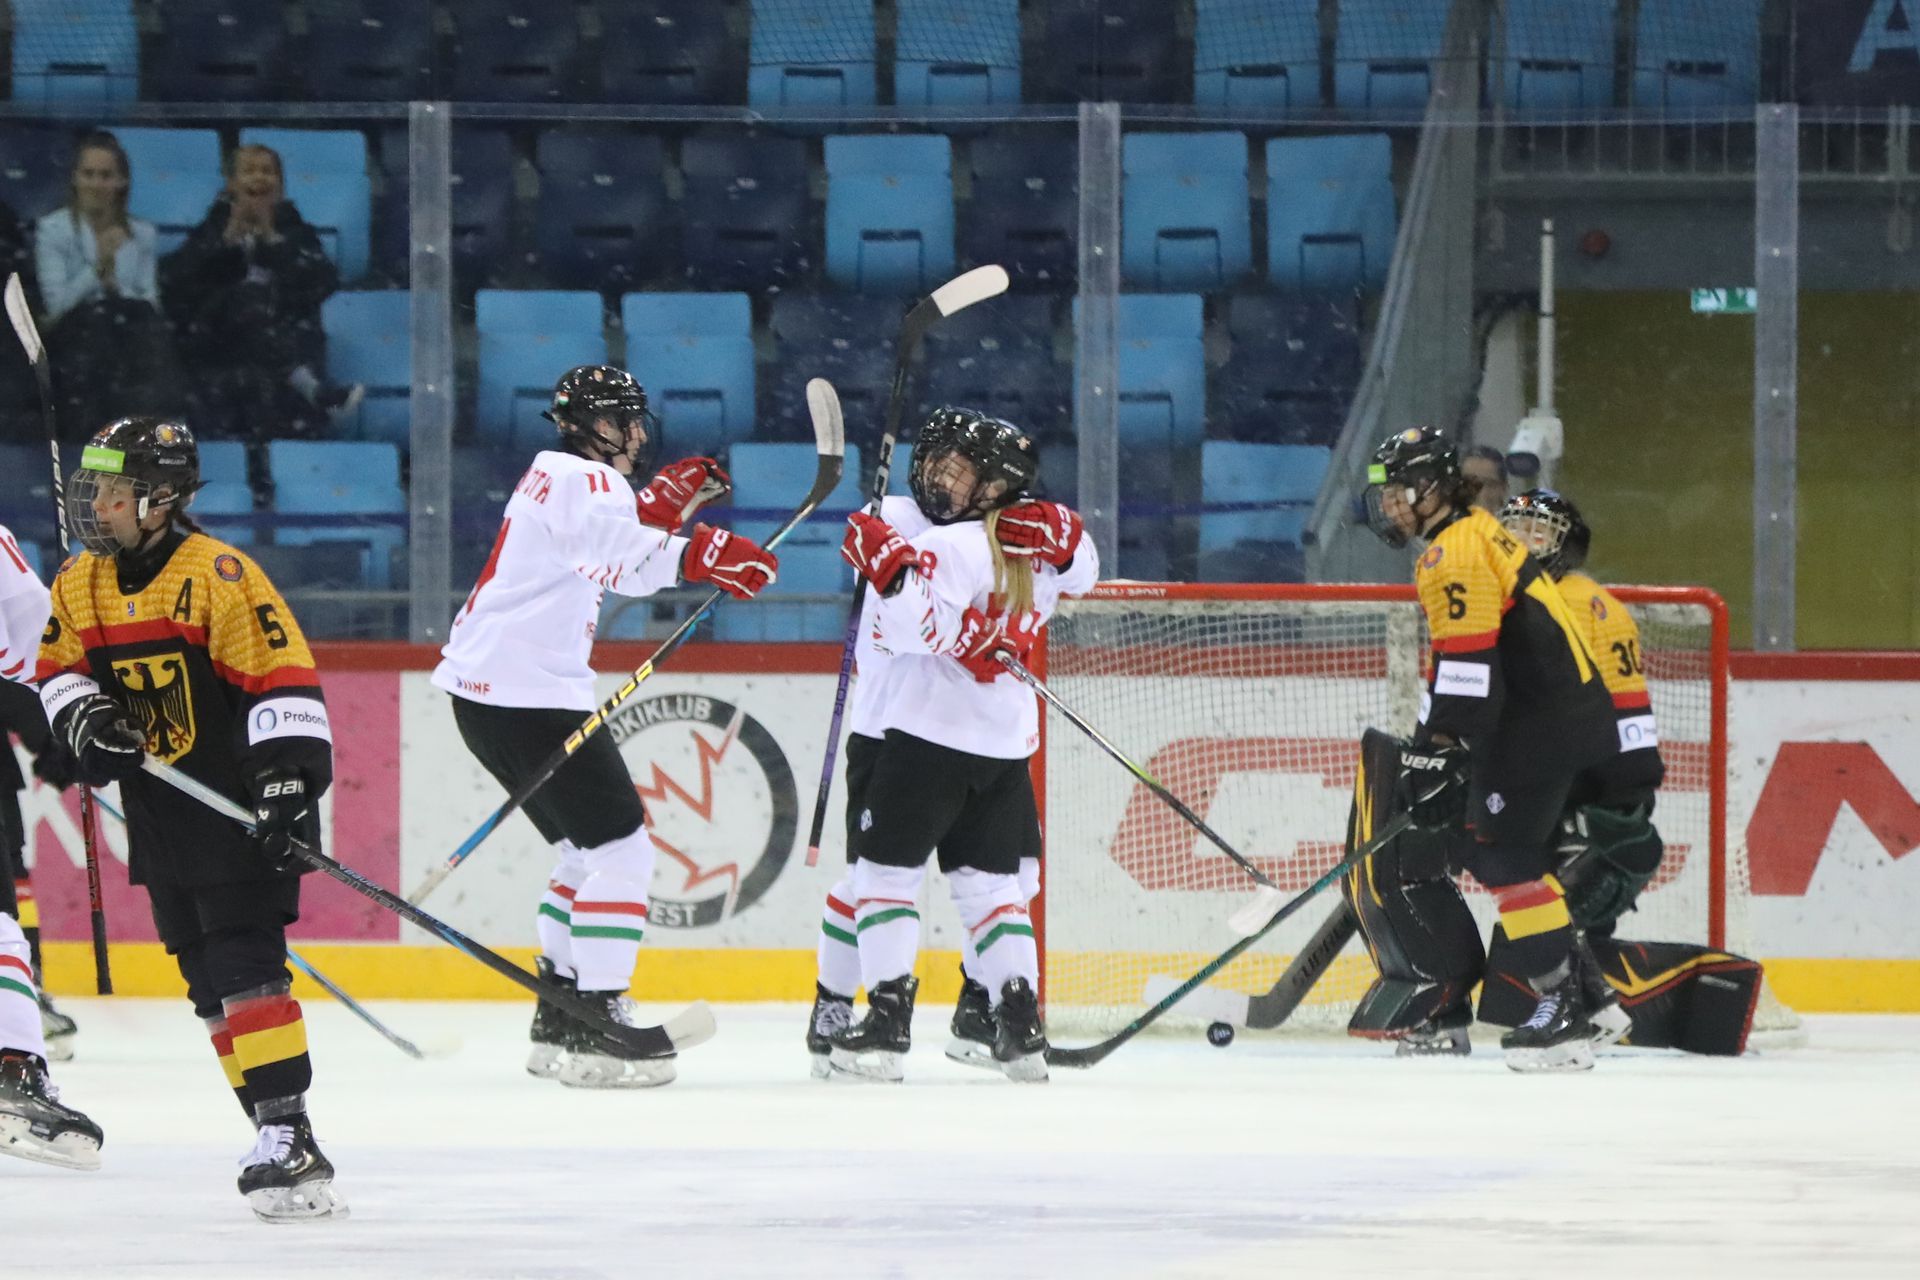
162 698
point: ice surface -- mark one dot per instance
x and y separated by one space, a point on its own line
1277 1159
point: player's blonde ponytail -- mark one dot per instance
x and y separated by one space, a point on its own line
1012 575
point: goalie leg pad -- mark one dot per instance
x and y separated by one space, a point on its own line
1610 855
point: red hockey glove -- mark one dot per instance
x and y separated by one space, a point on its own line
678 491
983 638
876 549
738 566
1049 530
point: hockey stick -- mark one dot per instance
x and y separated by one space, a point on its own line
956 294
829 435
1093 1053
354 1007
693 1025
29 335
1268 1010
1250 919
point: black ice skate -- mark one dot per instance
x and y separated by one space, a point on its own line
550 1025
872 1048
596 1060
1444 1035
1559 1036
1610 1022
57 1029
34 1125
285 1178
972 1028
1019 1040
831 1013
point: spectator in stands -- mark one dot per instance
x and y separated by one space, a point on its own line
244 294
1489 466
96 267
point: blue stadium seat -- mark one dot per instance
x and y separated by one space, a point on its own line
482 163
1558 55
948 54
369 50
176 175
528 338
693 352
999 357
339 477
812 53
224 491
33 168
772 477
1263 54
1330 211
1232 471
1698 53
889 212
670 51
1110 51
846 338
603 220
75 51
1186 212
748 222
217 51
1163 370
1025 210
1383 55
327 178
516 51
1293 370
369 341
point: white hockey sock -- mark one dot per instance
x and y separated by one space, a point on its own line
610 911
886 913
993 910
19 998
554 920
839 947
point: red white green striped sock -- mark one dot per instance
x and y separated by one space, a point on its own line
19 998
1003 948
839 948
606 941
889 934
553 922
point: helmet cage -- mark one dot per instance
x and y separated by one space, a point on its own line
102 467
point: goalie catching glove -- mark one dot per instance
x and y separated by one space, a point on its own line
877 551
1433 783
284 814
738 566
678 491
106 743
1050 531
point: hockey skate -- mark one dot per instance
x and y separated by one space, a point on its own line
1019 1040
285 1178
973 1029
1611 1023
1445 1035
549 1030
831 1013
872 1049
34 1124
57 1029
1559 1036
595 1060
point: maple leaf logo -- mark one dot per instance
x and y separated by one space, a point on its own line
665 790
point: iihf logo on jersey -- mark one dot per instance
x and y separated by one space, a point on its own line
721 804
1495 802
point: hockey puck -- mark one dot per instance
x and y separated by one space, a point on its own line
1220 1034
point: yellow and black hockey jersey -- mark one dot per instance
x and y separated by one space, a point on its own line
196 642
1511 673
1614 638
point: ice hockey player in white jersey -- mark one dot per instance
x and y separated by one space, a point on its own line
957 731
34 1123
516 663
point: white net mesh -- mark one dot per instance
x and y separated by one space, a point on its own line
1249 706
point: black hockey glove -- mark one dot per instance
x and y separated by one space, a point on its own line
1433 784
105 742
55 765
284 814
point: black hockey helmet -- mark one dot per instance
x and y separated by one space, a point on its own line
590 395
157 456
1006 463
1417 460
1549 525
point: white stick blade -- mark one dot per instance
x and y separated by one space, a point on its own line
22 318
976 285
829 428
691 1026
1252 918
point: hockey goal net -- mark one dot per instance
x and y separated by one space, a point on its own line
1248 702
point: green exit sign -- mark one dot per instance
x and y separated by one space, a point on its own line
1726 302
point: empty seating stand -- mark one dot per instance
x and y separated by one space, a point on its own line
74 51
176 175
1693 54
224 491
1330 211
999 358
1278 484
1384 53
670 51
369 50
1294 365
369 341
517 51
747 219
768 478
1260 54
34 160
326 175
1186 219
694 354
1556 55
889 212
527 340
1111 51
847 339
812 53
603 220
341 478
1025 210
1163 376
217 51
948 54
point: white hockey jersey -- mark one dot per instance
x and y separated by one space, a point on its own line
571 533
872 664
928 693
25 607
